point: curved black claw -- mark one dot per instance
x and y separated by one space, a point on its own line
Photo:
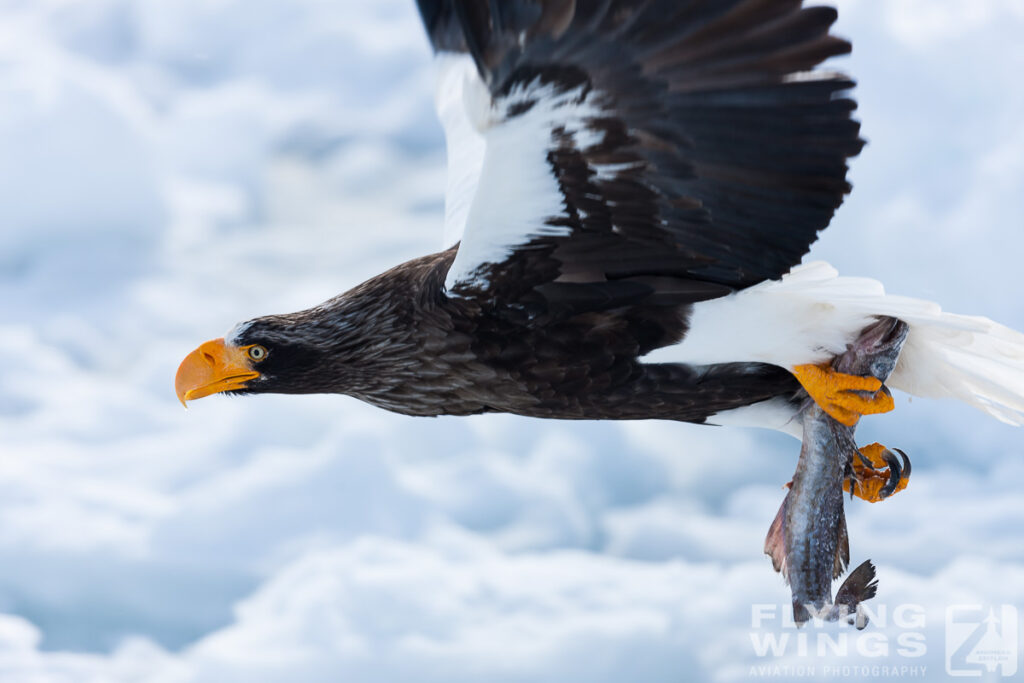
906 464
896 472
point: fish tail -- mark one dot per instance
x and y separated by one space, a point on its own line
859 586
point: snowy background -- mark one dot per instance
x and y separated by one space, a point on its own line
168 168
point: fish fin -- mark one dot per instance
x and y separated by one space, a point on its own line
775 541
842 548
859 586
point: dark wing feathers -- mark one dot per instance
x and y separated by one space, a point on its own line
443 26
721 154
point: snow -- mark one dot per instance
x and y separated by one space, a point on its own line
170 168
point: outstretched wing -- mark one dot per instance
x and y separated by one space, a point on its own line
603 152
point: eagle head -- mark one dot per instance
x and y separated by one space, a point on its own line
300 353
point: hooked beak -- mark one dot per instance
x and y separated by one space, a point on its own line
212 368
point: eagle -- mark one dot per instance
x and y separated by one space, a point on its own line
632 186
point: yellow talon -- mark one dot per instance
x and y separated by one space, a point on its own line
836 393
869 481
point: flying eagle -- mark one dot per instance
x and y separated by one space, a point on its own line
632 185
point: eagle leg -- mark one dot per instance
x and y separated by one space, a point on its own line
844 397
868 479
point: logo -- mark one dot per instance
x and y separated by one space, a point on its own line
981 640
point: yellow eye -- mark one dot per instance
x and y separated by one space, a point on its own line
257 352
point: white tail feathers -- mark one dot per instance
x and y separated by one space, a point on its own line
970 358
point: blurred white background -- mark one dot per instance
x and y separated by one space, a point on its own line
171 167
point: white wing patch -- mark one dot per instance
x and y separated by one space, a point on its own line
514 189
457 81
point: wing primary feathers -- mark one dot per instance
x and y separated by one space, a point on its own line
442 25
660 139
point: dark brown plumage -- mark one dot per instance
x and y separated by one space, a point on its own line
398 342
693 157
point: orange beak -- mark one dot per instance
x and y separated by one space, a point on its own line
212 368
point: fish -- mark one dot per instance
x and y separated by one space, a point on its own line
808 542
